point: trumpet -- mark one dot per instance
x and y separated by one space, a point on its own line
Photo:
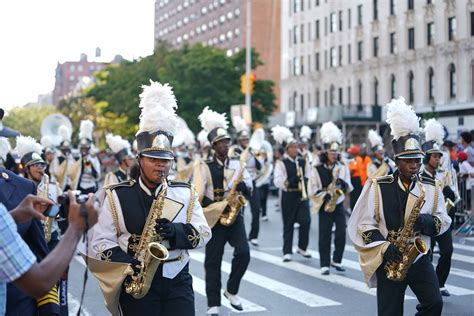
301 183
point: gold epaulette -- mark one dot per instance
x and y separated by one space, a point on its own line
126 183
385 179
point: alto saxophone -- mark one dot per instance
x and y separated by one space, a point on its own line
397 270
301 183
235 201
150 251
334 191
48 222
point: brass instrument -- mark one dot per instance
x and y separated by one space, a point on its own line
150 251
301 183
334 191
449 204
397 270
234 200
48 222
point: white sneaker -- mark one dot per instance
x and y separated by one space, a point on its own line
264 218
234 301
304 253
254 242
213 310
287 257
296 225
325 270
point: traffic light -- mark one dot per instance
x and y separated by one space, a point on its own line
243 83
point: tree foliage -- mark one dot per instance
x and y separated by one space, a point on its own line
27 120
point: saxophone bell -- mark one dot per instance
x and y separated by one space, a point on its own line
158 251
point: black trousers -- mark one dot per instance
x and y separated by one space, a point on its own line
263 192
294 211
422 280
445 244
166 297
326 220
255 209
236 236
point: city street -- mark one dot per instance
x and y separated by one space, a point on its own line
271 287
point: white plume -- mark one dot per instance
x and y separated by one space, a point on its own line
402 118
211 119
65 133
46 141
116 142
375 139
305 132
202 138
4 147
281 134
135 145
239 124
189 138
330 133
86 129
178 139
434 131
257 139
158 105
27 144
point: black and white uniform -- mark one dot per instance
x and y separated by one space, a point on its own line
294 208
218 179
118 176
117 233
323 175
380 213
375 164
85 174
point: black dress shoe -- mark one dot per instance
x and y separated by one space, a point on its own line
234 301
444 292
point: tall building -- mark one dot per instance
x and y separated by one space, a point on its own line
343 60
71 73
222 23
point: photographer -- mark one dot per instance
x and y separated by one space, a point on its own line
18 263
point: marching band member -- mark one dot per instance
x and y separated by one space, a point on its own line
220 180
150 211
291 177
121 148
64 161
204 145
305 140
13 190
390 213
264 153
85 172
380 165
185 157
434 133
253 167
49 154
331 185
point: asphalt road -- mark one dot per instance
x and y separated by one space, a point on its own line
271 287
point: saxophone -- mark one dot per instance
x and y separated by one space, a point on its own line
449 204
48 222
397 270
334 191
234 200
301 184
149 252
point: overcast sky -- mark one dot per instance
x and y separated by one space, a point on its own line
36 34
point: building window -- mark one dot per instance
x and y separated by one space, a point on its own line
451 28
317 98
359 50
340 20
296 66
295 35
340 55
359 94
317 3
392 7
301 103
430 31
376 91
309 31
316 61
349 55
333 57
431 84
472 23
296 6
359 14
411 88
326 25
411 4
349 20
317 29
302 33
392 43
452 81
333 25
392 86
332 91
349 102
411 38
376 13
309 63
376 46
325 97
340 96
302 65
325 59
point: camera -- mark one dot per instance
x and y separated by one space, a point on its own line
63 201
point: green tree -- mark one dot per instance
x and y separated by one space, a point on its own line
27 120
